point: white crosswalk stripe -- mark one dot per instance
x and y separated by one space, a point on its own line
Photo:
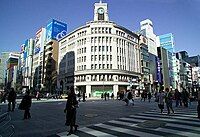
183 123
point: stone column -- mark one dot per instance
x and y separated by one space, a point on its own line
88 90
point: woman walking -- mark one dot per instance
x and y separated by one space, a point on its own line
160 99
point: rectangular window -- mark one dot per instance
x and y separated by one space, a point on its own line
107 48
109 30
99 48
107 66
95 58
84 67
103 48
92 57
106 39
95 66
95 39
85 50
92 48
99 66
95 48
92 66
110 57
107 57
84 58
110 66
103 66
99 57
103 57
110 49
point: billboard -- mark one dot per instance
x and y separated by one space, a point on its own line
56 30
38 41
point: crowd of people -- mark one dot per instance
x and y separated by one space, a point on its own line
162 97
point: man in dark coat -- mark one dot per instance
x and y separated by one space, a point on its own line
26 101
71 106
11 99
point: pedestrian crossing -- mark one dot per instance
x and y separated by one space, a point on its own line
183 123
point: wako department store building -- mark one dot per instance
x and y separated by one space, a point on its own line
100 56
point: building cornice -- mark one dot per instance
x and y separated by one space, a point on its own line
108 71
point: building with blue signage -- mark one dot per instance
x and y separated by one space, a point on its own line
167 42
55 30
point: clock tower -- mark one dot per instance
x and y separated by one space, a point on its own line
101 11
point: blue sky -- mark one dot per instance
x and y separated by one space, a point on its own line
20 19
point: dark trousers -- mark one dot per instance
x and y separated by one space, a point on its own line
27 114
71 119
177 102
169 106
9 105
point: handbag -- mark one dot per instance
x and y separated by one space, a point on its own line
21 106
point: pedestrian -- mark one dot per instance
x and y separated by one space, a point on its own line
70 109
126 98
11 99
142 95
108 95
4 94
38 95
79 96
168 101
145 95
198 106
185 97
112 96
160 96
177 96
149 96
83 96
130 98
102 96
105 95
26 105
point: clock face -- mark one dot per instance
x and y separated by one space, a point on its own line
100 10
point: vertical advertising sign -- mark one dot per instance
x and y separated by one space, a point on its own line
25 50
38 41
159 79
56 30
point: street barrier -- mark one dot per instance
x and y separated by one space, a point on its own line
6 128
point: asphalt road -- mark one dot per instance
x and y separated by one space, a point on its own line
48 118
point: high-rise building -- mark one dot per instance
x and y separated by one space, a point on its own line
55 31
185 71
3 67
167 42
163 58
38 58
145 70
146 29
26 63
100 56
12 64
